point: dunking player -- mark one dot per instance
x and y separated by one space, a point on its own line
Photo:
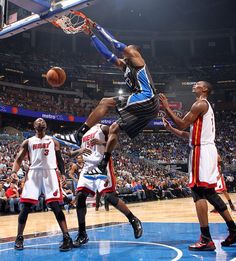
135 110
45 157
221 186
95 141
202 163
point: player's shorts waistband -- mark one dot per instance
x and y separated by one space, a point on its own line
41 169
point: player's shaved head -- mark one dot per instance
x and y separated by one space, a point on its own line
135 47
40 124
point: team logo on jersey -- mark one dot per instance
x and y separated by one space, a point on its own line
41 146
89 137
55 193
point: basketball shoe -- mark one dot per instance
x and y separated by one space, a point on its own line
19 243
230 239
81 239
137 227
100 172
204 244
67 243
72 139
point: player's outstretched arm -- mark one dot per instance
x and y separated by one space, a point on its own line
197 109
176 132
20 156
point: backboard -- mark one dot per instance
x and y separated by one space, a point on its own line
15 19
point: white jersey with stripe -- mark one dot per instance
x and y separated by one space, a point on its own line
202 131
42 153
92 160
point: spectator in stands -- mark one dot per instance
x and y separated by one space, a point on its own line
13 198
7 183
3 198
75 170
139 191
68 197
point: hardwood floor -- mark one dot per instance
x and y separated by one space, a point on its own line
176 210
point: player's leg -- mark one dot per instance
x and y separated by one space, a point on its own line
22 218
98 200
221 207
81 210
29 196
96 115
205 243
66 244
101 170
121 206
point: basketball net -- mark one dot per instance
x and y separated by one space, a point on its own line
72 23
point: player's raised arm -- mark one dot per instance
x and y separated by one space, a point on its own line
102 49
108 37
20 156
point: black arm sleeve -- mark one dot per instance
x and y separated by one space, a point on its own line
60 162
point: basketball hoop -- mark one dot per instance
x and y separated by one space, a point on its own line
72 23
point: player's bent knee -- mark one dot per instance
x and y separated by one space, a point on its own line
216 201
112 199
81 199
114 128
109 102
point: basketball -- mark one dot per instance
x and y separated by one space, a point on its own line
56 77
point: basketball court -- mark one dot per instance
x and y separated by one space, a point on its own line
169 227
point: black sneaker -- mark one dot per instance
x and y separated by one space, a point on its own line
137 227
230 239
19 243
71 139
97 173
67 244
81 239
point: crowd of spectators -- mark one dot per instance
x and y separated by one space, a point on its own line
56 104
89 65
145 167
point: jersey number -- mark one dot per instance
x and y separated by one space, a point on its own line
46 152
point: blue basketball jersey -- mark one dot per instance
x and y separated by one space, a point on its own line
139 80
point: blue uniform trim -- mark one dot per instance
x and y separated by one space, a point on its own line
146 91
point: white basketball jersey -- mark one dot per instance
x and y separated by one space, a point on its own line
202 131
42 153
92 160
